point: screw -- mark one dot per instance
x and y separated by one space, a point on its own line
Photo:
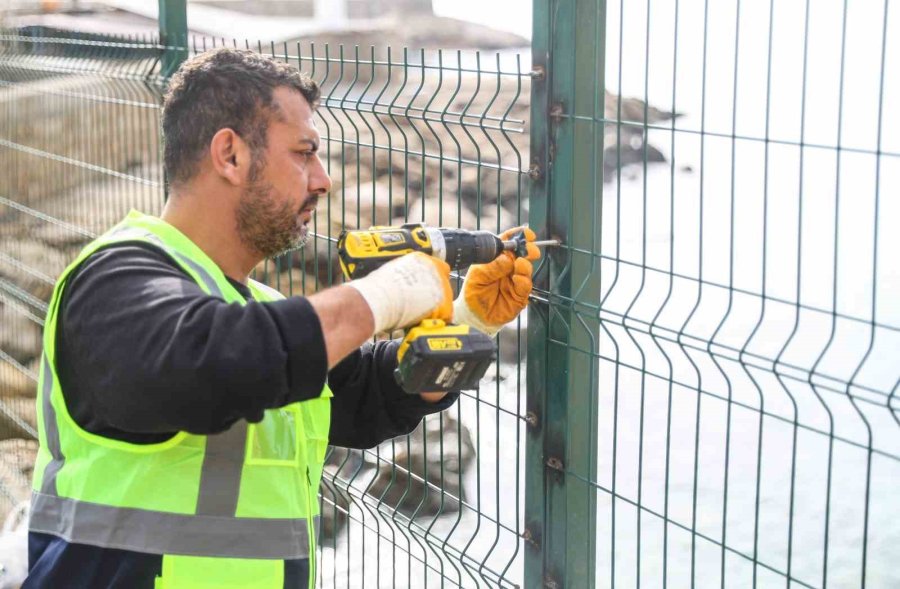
529 538
557 111
555 463
538 72
531 418
534 172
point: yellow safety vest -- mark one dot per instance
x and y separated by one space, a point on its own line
224 510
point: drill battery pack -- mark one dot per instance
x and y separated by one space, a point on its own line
436 357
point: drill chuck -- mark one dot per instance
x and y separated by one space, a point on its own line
461 248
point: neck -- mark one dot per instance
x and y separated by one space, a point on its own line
212 228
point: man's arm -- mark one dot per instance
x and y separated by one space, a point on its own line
142 349
368 405
346 321
396 295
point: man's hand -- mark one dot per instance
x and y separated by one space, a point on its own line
494 294
406 290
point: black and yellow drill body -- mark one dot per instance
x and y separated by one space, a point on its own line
363 251
433 356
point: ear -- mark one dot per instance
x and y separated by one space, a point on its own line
230 156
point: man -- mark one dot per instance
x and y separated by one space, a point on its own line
184 410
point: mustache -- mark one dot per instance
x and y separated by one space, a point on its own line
311 202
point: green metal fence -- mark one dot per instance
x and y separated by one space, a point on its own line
712 386
703 391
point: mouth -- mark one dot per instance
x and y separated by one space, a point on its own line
308 208
304 217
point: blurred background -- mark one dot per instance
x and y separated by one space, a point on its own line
711 355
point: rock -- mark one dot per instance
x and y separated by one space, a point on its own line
446 212
15 383
633 109
622 156
32 266
71 130
385 484
18 387
492 219
20 336
624 145
95 206
509 189
402 487
16 467
17 418
364 206
404 30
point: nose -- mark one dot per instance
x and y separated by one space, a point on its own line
319 181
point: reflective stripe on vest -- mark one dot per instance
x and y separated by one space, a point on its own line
159 533
223 524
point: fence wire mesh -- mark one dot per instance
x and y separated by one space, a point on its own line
740 228
435 137
78 148
407 136
711 385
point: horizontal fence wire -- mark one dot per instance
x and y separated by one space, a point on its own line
748 426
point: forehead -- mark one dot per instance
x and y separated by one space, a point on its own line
295 116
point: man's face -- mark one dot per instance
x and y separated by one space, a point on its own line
283 188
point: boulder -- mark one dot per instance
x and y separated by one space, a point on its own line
67 141
397 483
16 466
32 265
20 335
15 382
445 212
363 206
413 486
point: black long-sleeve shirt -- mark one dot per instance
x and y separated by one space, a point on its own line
142 353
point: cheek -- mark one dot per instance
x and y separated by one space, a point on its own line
288 175
297 171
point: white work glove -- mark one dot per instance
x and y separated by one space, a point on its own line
406 290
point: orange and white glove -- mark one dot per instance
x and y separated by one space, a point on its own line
406 290
494 294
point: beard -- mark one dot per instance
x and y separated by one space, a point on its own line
267 226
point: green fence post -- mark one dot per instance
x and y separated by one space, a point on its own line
173 34
567 119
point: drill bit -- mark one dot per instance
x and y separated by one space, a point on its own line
517 244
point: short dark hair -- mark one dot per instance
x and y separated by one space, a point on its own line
223 88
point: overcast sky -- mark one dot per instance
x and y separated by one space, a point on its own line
507 15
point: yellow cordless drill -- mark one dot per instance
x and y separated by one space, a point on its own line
433 356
